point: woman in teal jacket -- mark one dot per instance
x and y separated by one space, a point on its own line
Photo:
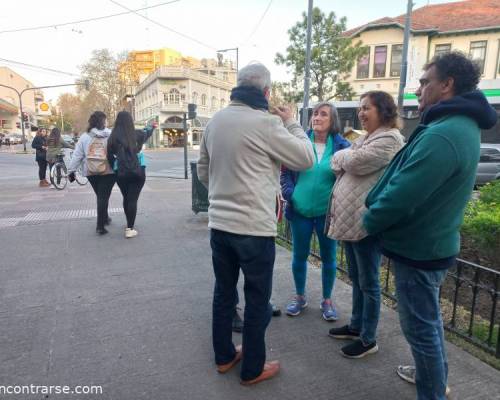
307 194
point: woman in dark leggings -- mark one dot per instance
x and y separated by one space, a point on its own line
125 139
99 172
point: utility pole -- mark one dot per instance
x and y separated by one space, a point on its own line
307 75
184 121
404 61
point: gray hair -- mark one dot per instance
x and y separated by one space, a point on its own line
255 75
334 116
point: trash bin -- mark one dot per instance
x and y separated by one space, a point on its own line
199 193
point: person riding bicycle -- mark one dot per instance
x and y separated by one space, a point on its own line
55 146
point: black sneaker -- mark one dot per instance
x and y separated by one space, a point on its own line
101 231
357 349
237 322
343 333
276 310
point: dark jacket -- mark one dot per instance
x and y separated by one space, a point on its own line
142 135
288 178
38 143
417 206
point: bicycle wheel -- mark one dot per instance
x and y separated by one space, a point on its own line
80 178
59 175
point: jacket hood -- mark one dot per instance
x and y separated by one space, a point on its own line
472 104
100 132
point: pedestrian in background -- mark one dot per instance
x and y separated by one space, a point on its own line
128 161
91 151
40 144
55 146
306 194
417 207
240 155
358 169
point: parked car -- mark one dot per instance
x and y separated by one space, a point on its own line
488 168
13 139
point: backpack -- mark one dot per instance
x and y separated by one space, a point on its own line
97 160
128 165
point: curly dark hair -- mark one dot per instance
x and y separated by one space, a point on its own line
386 108
97 120
465 72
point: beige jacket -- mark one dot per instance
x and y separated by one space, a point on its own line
358 169
240 156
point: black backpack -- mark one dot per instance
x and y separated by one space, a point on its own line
128 163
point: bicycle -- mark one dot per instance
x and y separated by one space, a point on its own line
59 173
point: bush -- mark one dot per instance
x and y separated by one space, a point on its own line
482 223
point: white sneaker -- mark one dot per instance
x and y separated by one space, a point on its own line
130 233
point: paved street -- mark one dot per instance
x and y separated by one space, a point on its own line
134 315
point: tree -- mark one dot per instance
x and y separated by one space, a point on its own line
284 93
107 89
332 55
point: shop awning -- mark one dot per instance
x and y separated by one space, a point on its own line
8 107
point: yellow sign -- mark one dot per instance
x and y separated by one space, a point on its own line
44 107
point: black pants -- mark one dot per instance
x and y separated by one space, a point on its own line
255 256
131 189
42 169
58 172
102 185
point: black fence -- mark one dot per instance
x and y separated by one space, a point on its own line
469 296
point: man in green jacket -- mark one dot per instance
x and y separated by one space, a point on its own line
417 206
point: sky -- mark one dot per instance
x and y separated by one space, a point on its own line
196 28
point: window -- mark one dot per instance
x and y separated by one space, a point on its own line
363 66
222 103
225 76
478 53
214 103
442 49
174 96
203 99
380 61
396 59
489 155
194 98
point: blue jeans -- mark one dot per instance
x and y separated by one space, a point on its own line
302 230
363 258
255 256
417 291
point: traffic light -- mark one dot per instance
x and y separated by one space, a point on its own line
25 117
191 111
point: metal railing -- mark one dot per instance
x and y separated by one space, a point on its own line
469 296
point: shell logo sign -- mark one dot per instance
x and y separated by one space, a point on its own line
43 109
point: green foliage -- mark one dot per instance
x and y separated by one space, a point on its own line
482 222
332 55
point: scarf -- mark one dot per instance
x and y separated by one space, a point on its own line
251 96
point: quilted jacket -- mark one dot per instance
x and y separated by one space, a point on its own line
358 169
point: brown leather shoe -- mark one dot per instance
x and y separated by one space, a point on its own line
270 370
223 368
44 183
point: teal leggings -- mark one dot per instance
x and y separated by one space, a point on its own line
302 230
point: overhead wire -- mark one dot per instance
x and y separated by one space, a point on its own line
258 23
56 71
34 28
164 26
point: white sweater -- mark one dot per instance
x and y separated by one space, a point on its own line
240 157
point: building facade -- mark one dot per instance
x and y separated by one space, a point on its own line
472 27
164 95
10 114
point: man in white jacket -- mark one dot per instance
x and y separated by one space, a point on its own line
240 157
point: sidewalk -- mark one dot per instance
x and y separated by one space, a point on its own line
135 315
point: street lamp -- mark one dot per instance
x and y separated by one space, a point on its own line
226 50
85 83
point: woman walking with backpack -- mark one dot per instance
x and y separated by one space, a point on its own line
124 153
91 151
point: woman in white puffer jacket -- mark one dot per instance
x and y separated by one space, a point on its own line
358 169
